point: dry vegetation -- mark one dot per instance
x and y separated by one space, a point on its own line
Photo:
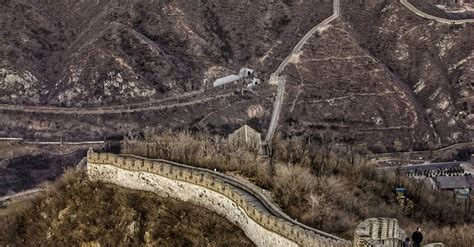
321 184
429 7
76 211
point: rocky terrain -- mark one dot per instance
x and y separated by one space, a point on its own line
454 11
103 52
433 60
379 76
369 103
409 82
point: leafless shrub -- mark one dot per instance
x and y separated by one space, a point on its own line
75 211
290 183
324 185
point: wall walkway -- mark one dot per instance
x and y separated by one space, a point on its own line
438 19
378 232
260 219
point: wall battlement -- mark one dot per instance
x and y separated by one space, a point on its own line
378 232
287 231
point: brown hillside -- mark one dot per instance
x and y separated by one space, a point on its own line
75 211
380 76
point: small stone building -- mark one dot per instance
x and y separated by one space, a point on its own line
246 136
461 186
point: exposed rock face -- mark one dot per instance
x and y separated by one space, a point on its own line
433 59
398 81
369 103
451 9
102 52
16 85
380 76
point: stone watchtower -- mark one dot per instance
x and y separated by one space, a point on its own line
246 136
378 232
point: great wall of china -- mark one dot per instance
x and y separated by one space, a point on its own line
261 220
186 99
431 17
379 232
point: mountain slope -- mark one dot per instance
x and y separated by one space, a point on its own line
102 52
76 211
367 103
435 60
381 76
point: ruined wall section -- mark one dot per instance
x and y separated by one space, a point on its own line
206 190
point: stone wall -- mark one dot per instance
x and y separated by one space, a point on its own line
431 17
207 190
378 232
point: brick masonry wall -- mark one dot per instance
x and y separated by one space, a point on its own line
206 190
379 232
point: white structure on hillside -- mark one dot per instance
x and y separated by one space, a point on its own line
244 74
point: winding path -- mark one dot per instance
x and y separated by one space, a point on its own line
184 99
428 16
171 102
250 191
20 196
275 77
280 81
179 101
73 143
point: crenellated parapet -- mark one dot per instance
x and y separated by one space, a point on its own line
238 194
378 232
